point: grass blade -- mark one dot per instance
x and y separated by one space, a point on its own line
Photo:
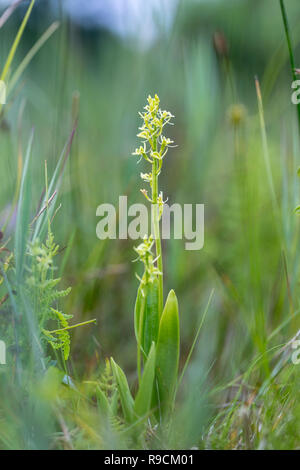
196 338
290 48
23 214
125 395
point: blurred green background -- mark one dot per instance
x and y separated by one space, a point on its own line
201 60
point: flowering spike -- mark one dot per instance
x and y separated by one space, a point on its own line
154 149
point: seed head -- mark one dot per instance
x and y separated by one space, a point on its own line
237 114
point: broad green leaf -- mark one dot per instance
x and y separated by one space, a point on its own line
114 402
151 320
102 402
146 311
167 354
137 312
124 392
143 399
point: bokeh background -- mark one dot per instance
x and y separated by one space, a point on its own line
201 58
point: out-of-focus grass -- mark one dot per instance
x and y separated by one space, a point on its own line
251 254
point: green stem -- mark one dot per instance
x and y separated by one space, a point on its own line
155 218
290 48
74 326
